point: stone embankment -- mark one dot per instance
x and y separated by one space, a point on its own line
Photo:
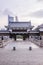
37 42
4 42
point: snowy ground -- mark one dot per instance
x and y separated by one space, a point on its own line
20 44
22 55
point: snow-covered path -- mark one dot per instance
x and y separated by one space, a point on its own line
22 55
20 44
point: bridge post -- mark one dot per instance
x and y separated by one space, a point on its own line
24 37
1 42
10 35
28 36
15 37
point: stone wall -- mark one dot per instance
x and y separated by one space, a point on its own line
37 41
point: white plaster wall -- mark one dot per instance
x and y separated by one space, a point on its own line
3 21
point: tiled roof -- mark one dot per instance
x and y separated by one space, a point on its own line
4 31
41 29
40 26
20 24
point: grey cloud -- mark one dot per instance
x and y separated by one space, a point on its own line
7 12
38 14
39 0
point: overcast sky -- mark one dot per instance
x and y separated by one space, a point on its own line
24 9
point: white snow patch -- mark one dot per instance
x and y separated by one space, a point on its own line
21 45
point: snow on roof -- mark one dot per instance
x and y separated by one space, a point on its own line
40 26
41 29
